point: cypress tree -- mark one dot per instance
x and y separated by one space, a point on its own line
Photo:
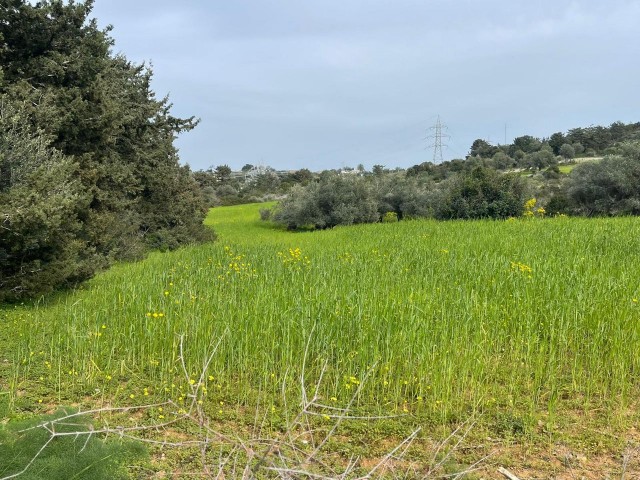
97 111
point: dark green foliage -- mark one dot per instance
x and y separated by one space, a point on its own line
335 200
344 200
221 186
222 173
558 204
526 144
598 138
502 161
40 200
402 195
556 141
265 214
536 153
440 171
482 148
508 425
567 151
608 187
481 193
64 457
539 160
122 172
302 177
172 209
552 172
265 183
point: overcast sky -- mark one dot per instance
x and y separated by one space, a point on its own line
324 84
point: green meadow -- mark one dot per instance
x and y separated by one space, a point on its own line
525 319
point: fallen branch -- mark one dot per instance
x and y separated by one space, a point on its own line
507 473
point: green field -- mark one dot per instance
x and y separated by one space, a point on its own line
534 321
566 168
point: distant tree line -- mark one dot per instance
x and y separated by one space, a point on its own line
465 189
88 171
221 186
539 157
491 182
535 154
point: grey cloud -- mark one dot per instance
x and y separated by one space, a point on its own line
319 84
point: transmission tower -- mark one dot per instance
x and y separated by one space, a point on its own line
437 137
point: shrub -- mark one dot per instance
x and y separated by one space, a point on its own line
265 214
481 193
335 200
390 217
608 187
40 203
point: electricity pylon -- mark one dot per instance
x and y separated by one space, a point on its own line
437 137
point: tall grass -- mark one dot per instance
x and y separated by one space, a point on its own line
443 318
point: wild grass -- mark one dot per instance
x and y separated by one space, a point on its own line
566 168
444 319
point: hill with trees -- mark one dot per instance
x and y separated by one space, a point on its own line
473 188
487 183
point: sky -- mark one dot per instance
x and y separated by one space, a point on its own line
336 83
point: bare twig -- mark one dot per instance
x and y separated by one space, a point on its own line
300 454
507 473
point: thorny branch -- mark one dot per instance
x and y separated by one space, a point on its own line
286 458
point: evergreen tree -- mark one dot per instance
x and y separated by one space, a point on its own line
99 110
40 200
